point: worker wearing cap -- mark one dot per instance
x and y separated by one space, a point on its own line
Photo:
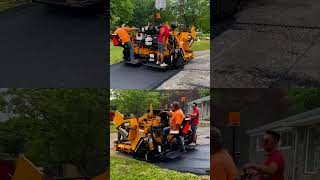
125 38
177 117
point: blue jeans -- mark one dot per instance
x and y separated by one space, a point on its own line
193 128
165 133
161 47
129 44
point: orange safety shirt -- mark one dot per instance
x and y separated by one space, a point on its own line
177 118
123 34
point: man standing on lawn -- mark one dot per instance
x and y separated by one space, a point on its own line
194 122
125 38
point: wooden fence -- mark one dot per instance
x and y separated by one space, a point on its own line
7 4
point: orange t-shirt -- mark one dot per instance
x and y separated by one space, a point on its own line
177 118
123 34
223 167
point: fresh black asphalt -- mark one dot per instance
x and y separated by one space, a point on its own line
195 161
43 46
123 76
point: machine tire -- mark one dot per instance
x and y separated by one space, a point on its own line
189 139
179 62
126 54
143 153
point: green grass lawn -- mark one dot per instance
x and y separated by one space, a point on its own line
112 128
7 4
202 45
204 34
126 168
116 51
115 54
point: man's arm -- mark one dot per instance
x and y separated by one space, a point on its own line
130 29
271 169
169 113
194 114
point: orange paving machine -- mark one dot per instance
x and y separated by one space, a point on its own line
142 136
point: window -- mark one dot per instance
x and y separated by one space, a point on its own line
286 139
313 150
259 143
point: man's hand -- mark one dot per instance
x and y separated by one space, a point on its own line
249 166
264 169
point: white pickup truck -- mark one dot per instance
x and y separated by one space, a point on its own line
70 3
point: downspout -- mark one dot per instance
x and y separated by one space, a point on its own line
295 155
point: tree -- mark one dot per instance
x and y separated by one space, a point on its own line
120 11
134 101
142 13
139 12
302 100
57 126
204 92
191 12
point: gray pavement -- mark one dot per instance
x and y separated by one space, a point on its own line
195 74
272 43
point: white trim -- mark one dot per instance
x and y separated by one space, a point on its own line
292 121
206 98
285 147
275 129
307 151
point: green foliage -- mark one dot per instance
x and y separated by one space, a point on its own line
301 100
55 126
134 101
137 101
120 11
7 4
142 13
195 12
139 12
125 168
204 92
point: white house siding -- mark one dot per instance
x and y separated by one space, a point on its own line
296 155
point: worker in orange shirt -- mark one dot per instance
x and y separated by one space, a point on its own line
125 38
177 117
222 165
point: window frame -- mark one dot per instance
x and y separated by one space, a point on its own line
306 170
